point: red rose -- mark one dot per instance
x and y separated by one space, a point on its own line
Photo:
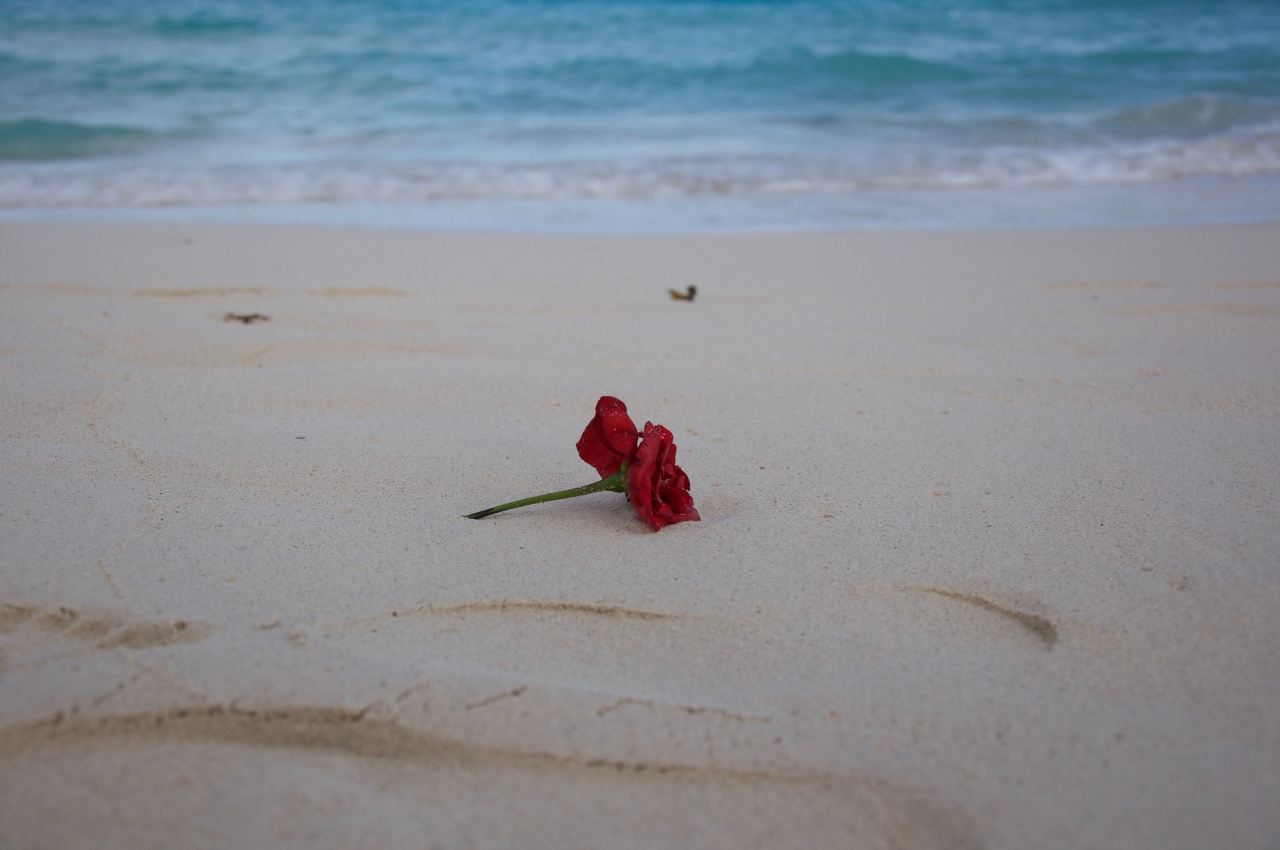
657 488
610 438
647 473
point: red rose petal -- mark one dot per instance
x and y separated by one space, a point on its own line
658 489
610 437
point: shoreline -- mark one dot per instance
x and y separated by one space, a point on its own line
1186 202
56 219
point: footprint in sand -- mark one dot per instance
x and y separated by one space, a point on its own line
103 630
619 797
203 292
359 292
505 605
1040 626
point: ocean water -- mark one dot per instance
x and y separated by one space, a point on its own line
643 115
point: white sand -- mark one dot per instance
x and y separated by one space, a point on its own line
990 553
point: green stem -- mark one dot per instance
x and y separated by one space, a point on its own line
616 483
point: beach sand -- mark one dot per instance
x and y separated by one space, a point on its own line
989 554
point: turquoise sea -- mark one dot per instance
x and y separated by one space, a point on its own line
642 115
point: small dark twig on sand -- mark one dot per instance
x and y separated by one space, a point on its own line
246 318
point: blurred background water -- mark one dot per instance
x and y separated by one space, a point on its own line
643 115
